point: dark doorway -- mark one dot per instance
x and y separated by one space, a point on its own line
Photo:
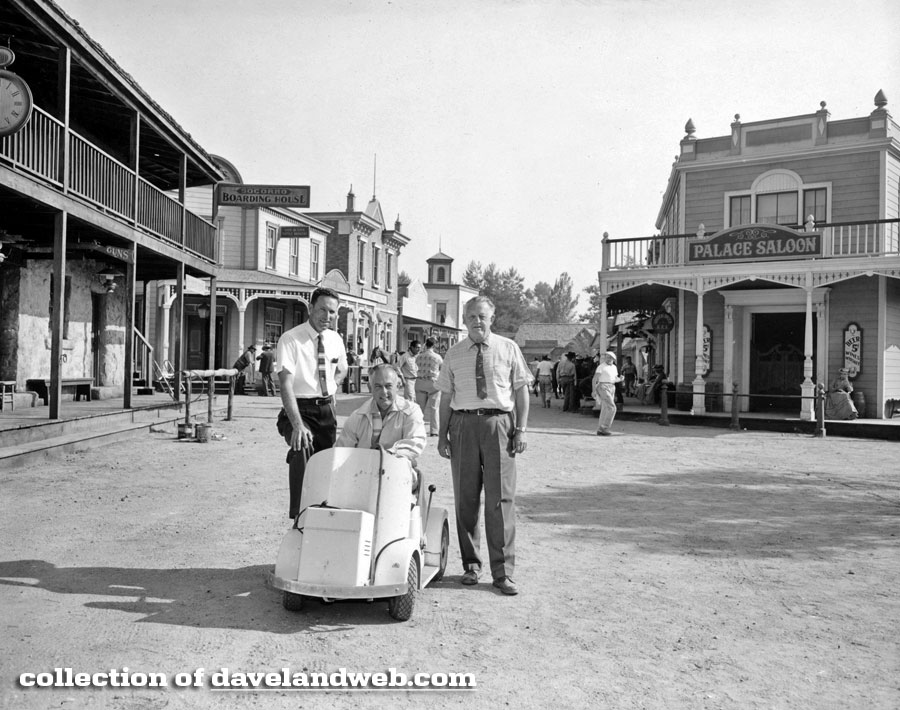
96 311
776 361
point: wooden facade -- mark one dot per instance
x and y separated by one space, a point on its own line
92 198
771 317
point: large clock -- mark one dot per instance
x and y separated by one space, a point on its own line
15 103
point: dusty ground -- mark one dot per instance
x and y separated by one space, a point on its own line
662 568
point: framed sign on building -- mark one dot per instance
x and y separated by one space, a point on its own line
707 349
853 350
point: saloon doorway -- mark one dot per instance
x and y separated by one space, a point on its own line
776 361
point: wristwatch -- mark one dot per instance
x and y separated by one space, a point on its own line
521 429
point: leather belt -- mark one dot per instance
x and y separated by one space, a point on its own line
315 400
483 412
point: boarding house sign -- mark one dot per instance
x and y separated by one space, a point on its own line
262 195
755 242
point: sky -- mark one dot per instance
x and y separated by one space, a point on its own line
508 132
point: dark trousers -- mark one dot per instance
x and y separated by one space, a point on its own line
568 394
268 384
321 421
482 459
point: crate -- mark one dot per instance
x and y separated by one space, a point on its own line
336 546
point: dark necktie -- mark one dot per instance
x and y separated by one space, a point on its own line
480 381
323 381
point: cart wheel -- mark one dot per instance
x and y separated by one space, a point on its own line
445 552
401 608
291 601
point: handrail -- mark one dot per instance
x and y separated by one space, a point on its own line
145 363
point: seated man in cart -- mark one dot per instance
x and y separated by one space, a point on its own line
387 420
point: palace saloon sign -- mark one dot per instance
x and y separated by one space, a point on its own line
755 242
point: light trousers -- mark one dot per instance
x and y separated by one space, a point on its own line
606 392
428 397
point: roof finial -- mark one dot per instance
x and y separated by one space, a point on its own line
880 99
374 175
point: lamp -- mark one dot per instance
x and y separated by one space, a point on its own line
108 279
203 311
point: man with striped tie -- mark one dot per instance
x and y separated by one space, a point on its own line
484 384
312 361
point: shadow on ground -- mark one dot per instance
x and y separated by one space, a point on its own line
200 597
718 513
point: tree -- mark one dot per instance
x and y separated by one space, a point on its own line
593 313
505 288
559 305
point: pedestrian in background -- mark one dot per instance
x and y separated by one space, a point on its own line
484 386
605 378
428 396
241 364
266 368
565 375
545 380
409 371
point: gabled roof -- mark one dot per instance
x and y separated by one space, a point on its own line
560 333
440 256
373 210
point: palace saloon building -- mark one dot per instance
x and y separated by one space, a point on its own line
777 263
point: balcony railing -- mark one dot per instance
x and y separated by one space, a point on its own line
873 238
106 183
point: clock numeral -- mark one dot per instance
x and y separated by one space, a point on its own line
15 93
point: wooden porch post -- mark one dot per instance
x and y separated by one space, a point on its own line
130 268
211 356
700 364
179 324
57 316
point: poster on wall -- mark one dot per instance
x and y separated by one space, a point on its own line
707 349
853 350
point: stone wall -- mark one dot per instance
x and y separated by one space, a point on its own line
29 333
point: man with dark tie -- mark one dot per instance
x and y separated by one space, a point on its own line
312 361
484 383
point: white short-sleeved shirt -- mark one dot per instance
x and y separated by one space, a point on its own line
298 353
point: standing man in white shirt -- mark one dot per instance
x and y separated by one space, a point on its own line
604 385
427 394
312 362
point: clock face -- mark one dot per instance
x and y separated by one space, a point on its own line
15 102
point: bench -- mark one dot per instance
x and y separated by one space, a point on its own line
81 385
7 394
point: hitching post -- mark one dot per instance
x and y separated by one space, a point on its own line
209 397
820 411
187 399
735 408
664 403
230 397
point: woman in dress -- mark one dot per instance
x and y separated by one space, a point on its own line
838 404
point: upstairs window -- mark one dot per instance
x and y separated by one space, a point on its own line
376 252
314 260
294 265
361 261
814 203
777 208
740 210
388 271
271 237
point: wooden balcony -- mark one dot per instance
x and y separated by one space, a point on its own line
106 183
875 238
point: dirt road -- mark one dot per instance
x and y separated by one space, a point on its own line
667 568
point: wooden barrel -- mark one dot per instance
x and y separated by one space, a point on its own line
859 401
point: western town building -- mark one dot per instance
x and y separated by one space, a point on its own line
92 207
777 262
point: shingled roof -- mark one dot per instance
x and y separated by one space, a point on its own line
542 334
